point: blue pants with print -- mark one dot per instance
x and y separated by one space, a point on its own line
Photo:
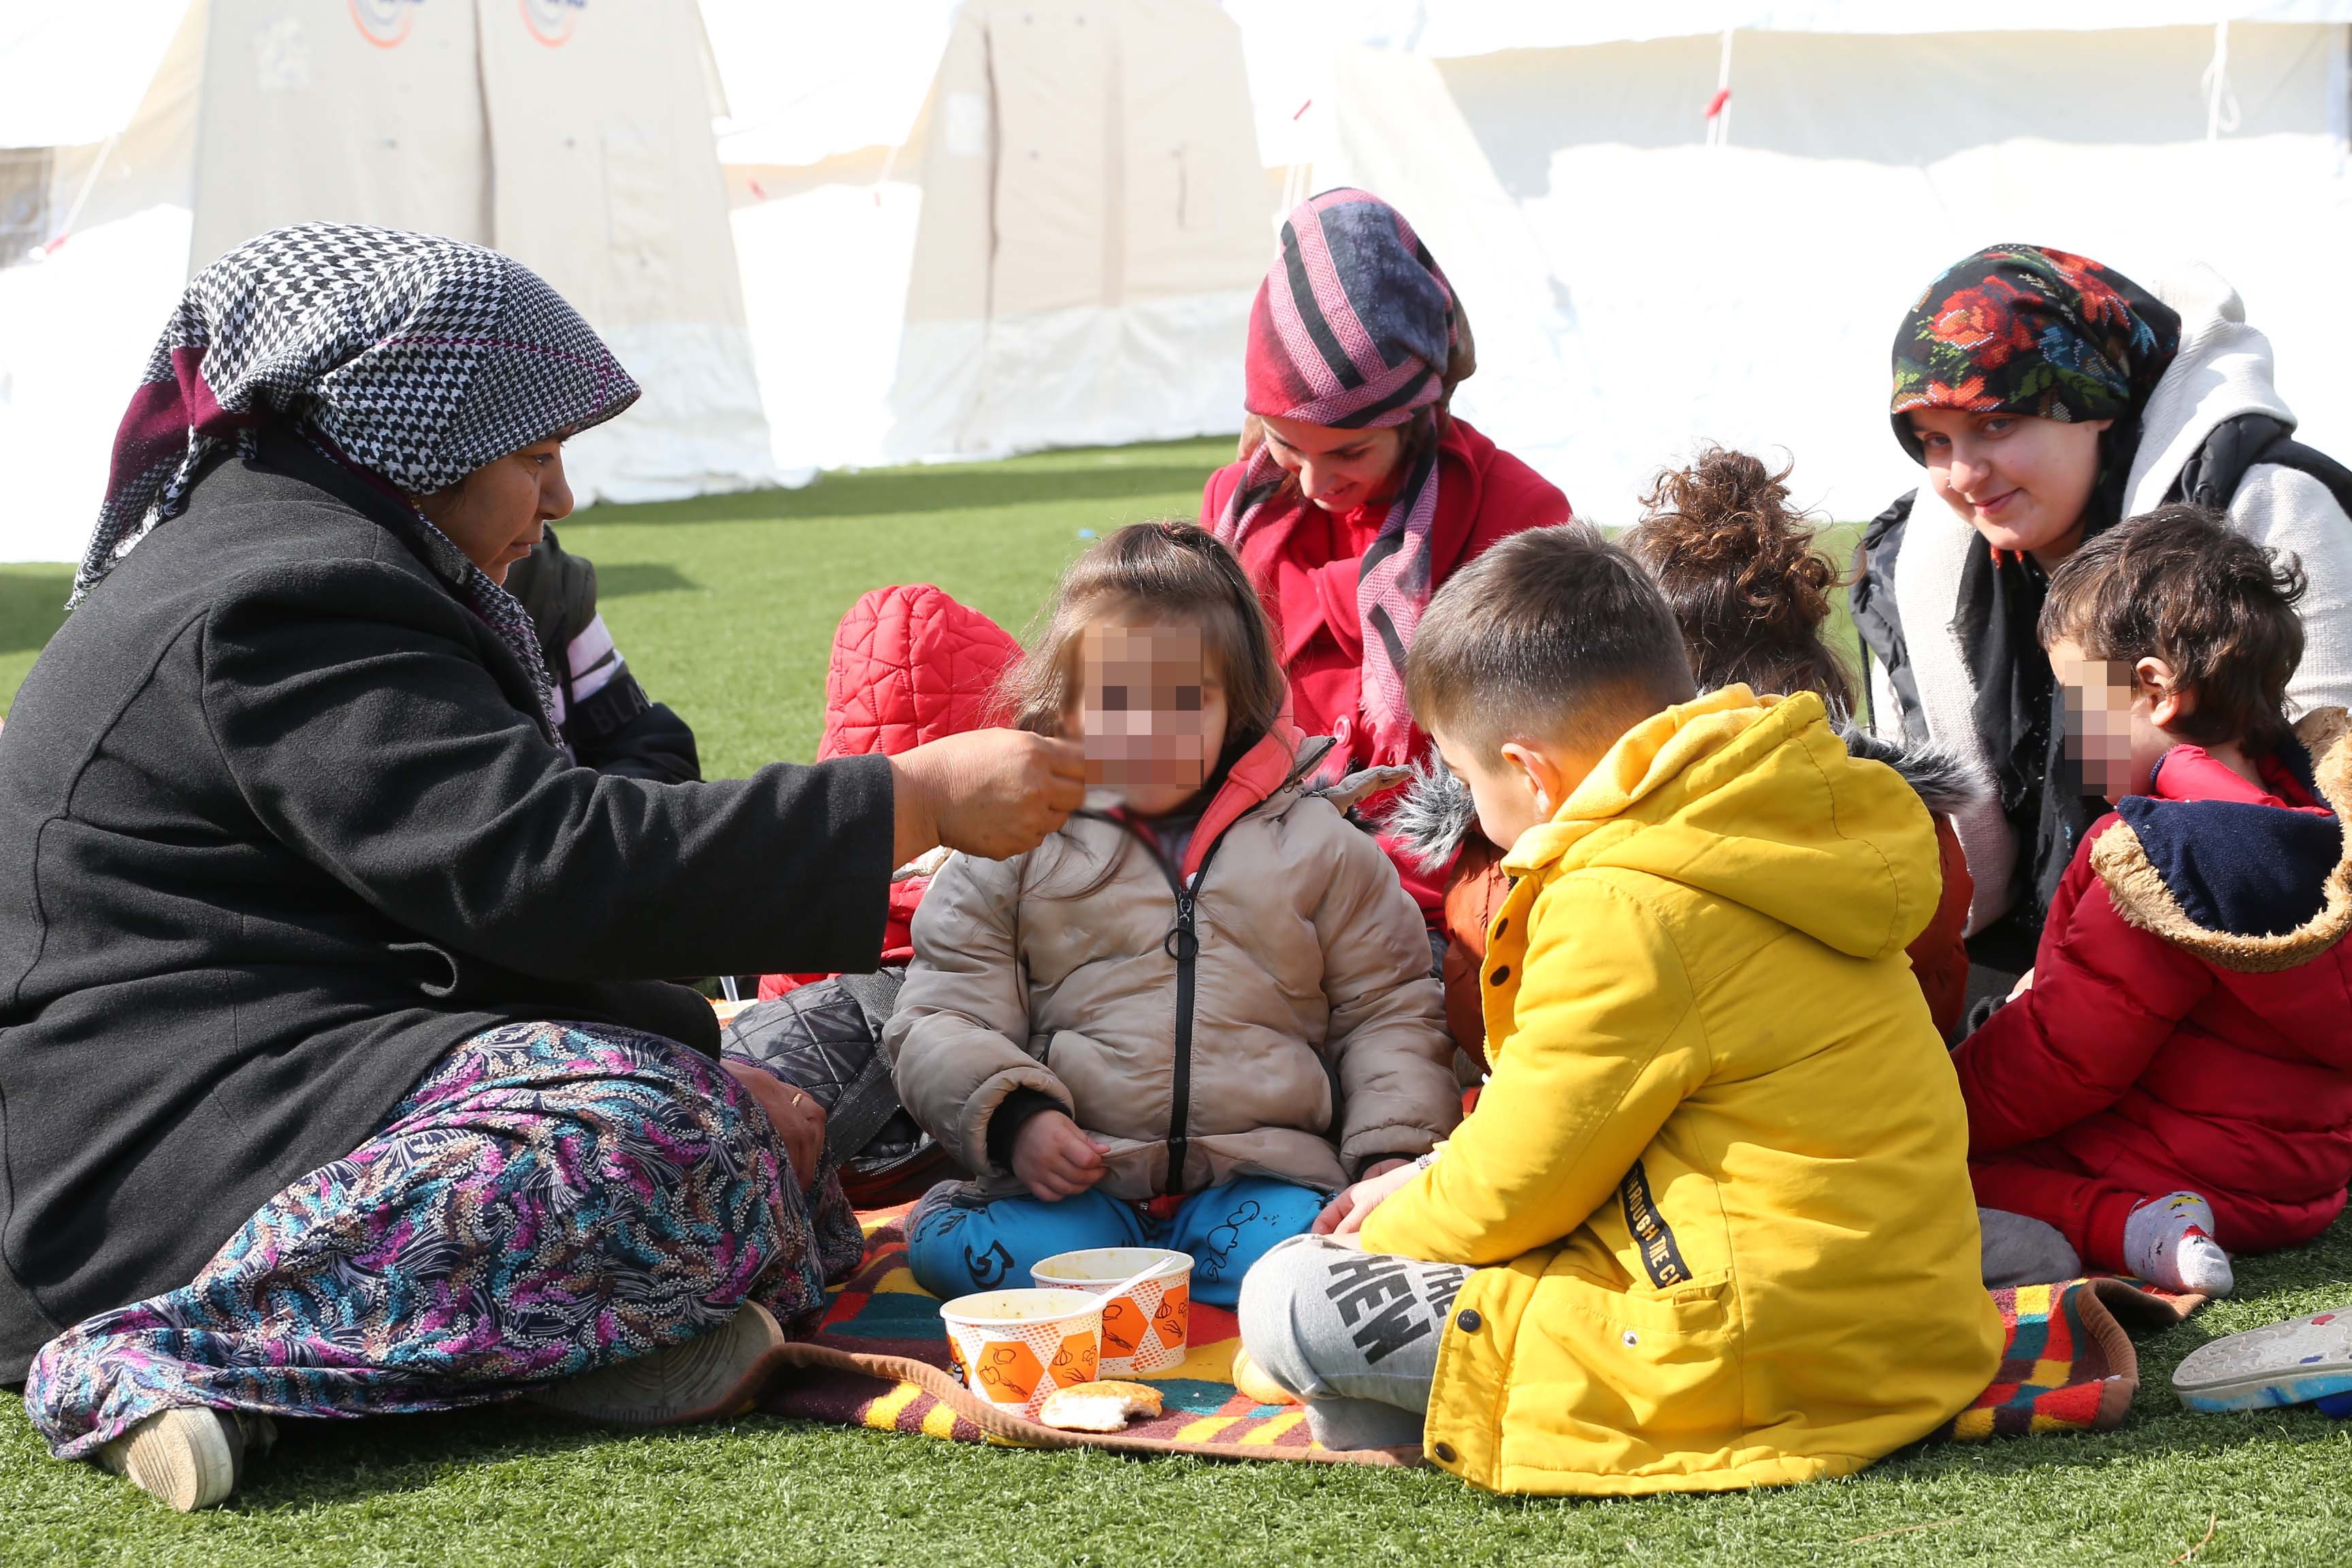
955 1249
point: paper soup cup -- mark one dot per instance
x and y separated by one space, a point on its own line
1147 1329
1015 1347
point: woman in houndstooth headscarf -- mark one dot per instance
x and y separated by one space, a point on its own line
340 1076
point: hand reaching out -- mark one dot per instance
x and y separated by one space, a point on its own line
1345 1215
991 792
1054 1158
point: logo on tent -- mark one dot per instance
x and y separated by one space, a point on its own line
384 23
551 21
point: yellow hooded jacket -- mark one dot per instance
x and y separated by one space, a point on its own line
1718 1178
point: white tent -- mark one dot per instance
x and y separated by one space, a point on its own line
140 141
1025 223
1642 276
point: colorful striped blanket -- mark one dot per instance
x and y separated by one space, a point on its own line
880 1360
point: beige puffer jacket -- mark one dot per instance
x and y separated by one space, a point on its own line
1313 1017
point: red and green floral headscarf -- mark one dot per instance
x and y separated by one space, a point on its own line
2016 329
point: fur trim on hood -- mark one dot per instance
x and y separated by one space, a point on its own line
2142 895
1949 781
1432 817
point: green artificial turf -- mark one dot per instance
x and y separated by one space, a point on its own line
726 606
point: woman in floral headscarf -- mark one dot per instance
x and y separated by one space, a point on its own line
2048 397
1357 492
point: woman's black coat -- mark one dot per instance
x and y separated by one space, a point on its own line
277 831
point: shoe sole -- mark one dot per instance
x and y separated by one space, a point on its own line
710 1377
183 1458
2293 1362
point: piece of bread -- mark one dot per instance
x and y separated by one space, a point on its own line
1099 1406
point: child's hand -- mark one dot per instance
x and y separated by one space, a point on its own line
798 1119
1054 1159
1344 1215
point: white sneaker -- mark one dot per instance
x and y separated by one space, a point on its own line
712 1375
189 1457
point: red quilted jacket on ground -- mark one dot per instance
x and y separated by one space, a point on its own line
2190 1024
909 665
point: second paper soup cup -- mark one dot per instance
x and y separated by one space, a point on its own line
1015 1347
1146 1329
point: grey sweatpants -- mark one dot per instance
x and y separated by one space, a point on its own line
1353 1333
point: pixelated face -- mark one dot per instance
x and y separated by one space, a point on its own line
2111 730
1152 714
2020 482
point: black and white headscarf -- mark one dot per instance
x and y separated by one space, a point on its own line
413 358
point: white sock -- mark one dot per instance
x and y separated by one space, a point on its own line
2168 1241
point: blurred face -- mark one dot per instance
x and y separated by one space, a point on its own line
1151 712
2117 716
497 513
1338 471
2022 482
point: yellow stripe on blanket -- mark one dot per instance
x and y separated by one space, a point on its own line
1205 1430
884 1413
1273 1427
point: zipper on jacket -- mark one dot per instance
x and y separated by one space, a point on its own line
1182 943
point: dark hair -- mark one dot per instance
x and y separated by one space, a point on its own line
2180 584
1747 584
1172 570
1553 634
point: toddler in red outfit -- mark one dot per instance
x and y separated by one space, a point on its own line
2172 1082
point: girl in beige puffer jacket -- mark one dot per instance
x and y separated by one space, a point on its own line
1202 1007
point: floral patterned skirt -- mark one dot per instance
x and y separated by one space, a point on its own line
550 1198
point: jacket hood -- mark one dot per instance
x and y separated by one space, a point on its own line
1434 815
2223 369
2248 887
911 664
1947 781
1754 799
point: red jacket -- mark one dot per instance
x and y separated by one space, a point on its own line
2190 1024
909 665
1306 562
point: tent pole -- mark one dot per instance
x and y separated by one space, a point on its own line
2220 106
1718 111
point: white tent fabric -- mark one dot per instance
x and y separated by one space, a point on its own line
1637 290
1058 249
577 139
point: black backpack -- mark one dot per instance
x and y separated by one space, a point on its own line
827 1038
2211 478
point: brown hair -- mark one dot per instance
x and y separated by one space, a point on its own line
1169 569
1553 634
2180 584
1747 585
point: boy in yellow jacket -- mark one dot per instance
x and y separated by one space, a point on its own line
1710 1225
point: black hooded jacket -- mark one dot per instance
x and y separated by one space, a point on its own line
277 831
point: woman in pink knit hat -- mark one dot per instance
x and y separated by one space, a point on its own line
1357 493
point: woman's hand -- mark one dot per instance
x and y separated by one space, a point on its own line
1054 1158
991 792
798 1119
1344 1215
2024 984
